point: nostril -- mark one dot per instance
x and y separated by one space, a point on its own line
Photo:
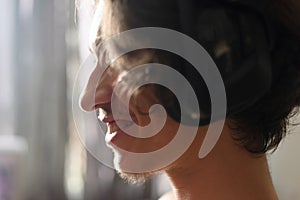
86 102
97 106
105 108
89 101
96 93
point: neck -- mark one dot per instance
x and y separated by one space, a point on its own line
228 172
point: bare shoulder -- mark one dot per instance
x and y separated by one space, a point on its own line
167 196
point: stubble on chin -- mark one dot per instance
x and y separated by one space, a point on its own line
135 178
132 178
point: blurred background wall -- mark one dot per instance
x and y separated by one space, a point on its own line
33 78
41 48
285 164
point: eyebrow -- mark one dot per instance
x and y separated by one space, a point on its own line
95 44
98 40
91 50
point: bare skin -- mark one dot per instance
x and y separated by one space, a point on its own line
229 172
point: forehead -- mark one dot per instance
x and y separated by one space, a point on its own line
95 33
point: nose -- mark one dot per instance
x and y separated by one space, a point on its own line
98 90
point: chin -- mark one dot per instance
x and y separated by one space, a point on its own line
120 164
134 178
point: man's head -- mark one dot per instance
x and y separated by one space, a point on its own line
258 127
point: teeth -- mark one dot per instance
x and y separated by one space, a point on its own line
123 125
112 129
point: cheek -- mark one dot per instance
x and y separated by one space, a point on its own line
139 106
144 145
141 103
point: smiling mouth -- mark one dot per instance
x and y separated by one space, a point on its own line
112 127
118 125
114 130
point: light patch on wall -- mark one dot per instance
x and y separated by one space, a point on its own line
26 8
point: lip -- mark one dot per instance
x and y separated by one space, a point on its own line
115 130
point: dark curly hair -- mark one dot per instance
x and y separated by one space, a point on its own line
261 126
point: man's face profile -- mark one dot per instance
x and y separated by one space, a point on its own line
140 108
144 138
